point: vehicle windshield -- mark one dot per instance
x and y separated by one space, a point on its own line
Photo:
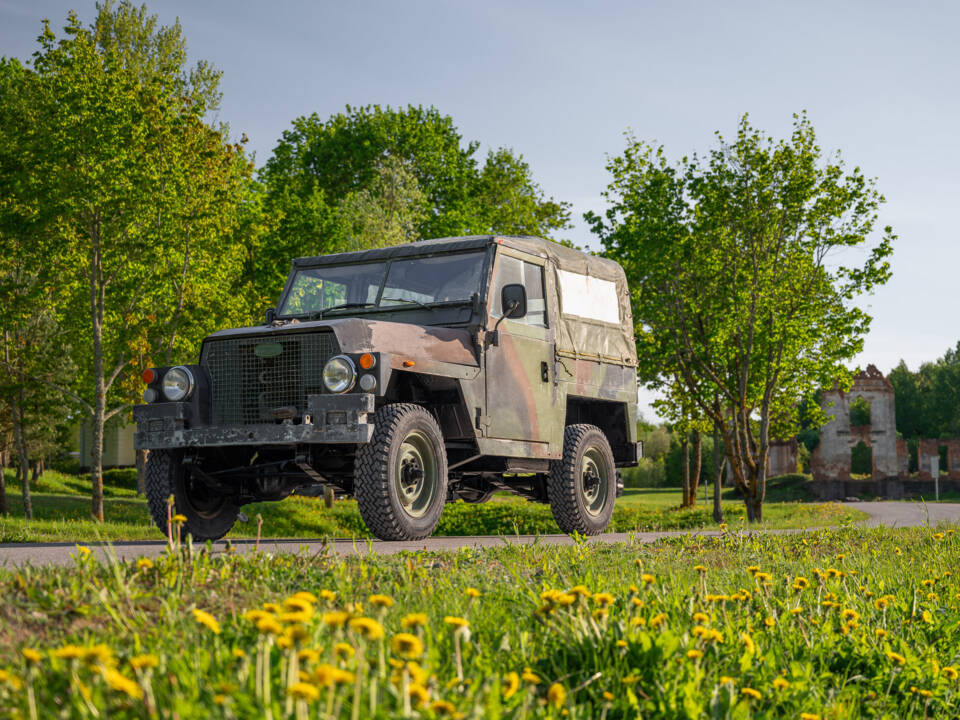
415 280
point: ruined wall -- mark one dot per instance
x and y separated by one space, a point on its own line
831 458
783 457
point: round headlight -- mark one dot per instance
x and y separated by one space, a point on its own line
178 384
339 374
367 382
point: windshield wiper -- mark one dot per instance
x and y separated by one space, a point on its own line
318 315
410 301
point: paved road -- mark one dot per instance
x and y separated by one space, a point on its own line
891 514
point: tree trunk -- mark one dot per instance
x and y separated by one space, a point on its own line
719 463
97 291
141 471
23 465
685 469
36 472
695 468
4 507
754 509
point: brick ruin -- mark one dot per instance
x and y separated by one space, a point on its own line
889 476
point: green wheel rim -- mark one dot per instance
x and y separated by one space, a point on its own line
593 482
415 477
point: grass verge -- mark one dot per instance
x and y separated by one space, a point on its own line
832 624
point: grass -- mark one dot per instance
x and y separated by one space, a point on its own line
844 623
61 508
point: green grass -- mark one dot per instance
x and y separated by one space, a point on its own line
850 623
61 507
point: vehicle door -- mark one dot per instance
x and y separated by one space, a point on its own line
520 391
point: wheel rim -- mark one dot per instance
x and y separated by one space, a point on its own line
202 501
593 481
416 472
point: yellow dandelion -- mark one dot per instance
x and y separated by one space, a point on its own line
638 621
207 620
336 618
269 626
603 599
298 605
413 620
949 672
699 617
328 595
306 692
255 616
457 622
144 564
84 551
769 622
781 683
367 627
69 652
512 685
473 592
308 656
648 579
880 632
694 654
557 695
443 707
295 618
608 696
896 658
809 716
121 683
752 569
99 654
748 643
700 568
384 601
325 674
580 590
178 519
750 692
658 619
927 617
800 584
31 655
306 596
407 645
726 680
530 677
621 643
143 662
419 694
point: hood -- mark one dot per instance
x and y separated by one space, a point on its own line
358 335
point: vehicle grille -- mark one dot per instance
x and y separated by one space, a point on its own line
248 386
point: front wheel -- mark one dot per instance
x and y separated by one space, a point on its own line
582 485
209 515
400 476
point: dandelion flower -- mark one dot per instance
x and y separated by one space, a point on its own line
607 695
336 618
384 601
457 622
769 622
31 655
473 592
700 568
308 655
896 658
750 692
178 519
328 595
69 652
648 578
121 683
407 645
781 683
530 677
306 692
809 716
144 564
419 694
269 626
207 620
726 680
99 654
298 604
443 707
413 620
749 643
949 672
557 694
512 685
694 654
368 627
143 662
800 583
699 617
84 551
658 619
580 590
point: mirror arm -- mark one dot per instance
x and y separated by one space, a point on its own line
494 337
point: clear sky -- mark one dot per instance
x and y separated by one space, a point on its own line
559 82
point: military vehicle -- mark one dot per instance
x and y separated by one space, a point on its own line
408 377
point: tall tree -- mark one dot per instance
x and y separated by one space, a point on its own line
130 193
739 287
325 170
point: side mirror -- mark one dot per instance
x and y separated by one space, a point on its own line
513 301
270 316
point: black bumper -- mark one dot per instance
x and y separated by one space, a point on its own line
329 419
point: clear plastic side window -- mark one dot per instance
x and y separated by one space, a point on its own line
511 270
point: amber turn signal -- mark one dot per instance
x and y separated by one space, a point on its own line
408 363
149 375
367 361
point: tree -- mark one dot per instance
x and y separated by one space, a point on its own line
738 282
323 172
928 400
127 193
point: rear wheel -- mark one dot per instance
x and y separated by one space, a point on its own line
400 476
582 485
210 515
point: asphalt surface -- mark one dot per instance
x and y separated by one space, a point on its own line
890 514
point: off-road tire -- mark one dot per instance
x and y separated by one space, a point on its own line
564 483
166 476
377 463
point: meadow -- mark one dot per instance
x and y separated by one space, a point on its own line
62 513
844 623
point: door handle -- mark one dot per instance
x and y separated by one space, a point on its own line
544 372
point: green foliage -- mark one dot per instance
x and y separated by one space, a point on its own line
928 400
831 623
861 459
739 295
375 176
859 412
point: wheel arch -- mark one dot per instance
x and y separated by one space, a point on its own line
612 417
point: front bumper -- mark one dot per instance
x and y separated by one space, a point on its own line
329 419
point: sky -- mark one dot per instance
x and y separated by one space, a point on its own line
560 82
